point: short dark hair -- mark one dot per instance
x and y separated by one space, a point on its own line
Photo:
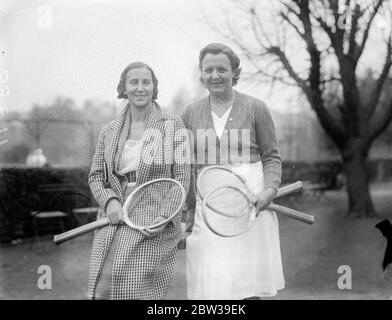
217 48
136 65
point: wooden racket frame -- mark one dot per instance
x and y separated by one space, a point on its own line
76 232
288 189
205 216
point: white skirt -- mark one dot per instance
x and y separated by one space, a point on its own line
240 267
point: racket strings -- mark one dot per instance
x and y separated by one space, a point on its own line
228 211
228 201
215 178
227 207
157 199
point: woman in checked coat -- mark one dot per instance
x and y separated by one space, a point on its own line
126 263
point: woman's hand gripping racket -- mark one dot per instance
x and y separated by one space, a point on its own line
149 201
229 206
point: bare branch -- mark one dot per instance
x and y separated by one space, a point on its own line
208 22
331 124
375 96
256 25
287 65
352 45
286 18
274 77
290 9
334 5
329 80
314 72
335 37
380 123
359 50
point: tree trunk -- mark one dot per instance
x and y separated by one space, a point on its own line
359 200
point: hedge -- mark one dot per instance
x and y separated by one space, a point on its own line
21 193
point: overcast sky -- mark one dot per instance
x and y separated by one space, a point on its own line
79 48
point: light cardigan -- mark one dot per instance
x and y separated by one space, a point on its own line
247 113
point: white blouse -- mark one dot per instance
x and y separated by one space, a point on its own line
130 156
219 123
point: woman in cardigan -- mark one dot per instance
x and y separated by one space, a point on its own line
247 266
126 263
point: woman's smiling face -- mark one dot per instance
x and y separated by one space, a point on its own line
139 87
217 74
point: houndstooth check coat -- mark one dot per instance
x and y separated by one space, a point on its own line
142 267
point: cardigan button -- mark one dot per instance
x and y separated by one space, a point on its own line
230 119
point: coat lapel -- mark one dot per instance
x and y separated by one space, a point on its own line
113 147
152 140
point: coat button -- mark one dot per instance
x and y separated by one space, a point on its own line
230 119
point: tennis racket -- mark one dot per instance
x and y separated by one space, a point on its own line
229 205
159 197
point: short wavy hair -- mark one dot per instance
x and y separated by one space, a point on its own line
217 48
136 65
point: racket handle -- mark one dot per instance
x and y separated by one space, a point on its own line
68 235
293 187
291 213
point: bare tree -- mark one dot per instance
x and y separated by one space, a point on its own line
317 45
